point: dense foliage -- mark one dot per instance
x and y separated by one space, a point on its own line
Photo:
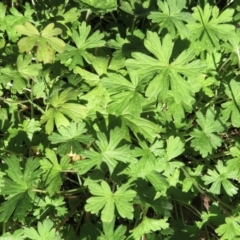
120 119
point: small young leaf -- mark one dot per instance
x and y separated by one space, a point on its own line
60 109
108 151
220 178
206 140
70 138
106 200
74 55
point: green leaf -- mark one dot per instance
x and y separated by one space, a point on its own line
125 95
106 200
232 164
8 74
18 184
18 181
90 78
229 230
149 225
144 166
16 17
205 140
30 126
56 203
17 235
2 16
69 16
220 178
45 231
17 207
141 126
109 233
175 147
188 182
172 18
109 151
211 26
158 181
25 70
45 41
60 109
20 76
232 47
100 6
27 29
167 74
97 100
70 138
53 170
232 106
74 55
177 110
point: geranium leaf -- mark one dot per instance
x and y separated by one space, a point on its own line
211 26
53 170
206 140
171 17
106 200
60 109
18 184
220 178
73 55
231 107
167 74
45 42
147 225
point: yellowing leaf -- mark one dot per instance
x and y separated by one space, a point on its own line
45 42
28 29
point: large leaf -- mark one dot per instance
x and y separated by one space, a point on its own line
211 26
45 41
18 183
168 75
